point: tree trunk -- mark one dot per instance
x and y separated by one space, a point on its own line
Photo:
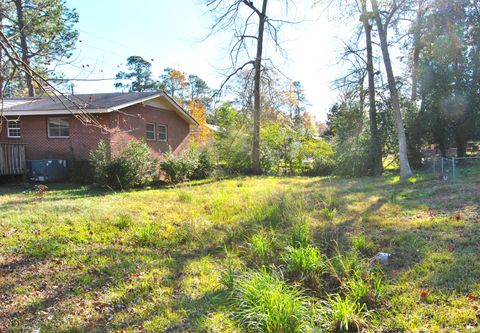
417 47
461 143
1 57
405 170
256 169
375 144
24 47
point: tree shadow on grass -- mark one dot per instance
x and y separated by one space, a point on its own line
109 279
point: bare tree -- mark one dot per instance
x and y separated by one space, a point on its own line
405 170
251 26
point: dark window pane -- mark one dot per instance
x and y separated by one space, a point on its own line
162 133
58 127
150 131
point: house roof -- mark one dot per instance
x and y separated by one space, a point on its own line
91 103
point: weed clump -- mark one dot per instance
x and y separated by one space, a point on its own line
304 261
123 222
363 245
261 246
146 235
342 314
265 303
300 235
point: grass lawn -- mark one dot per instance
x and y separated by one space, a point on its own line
174 259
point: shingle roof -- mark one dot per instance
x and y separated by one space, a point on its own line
90 103
84 101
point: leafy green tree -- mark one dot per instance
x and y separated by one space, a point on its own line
233 140
43 33
449 79
198 90
139 75
175 83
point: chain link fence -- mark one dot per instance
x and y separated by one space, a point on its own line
453 170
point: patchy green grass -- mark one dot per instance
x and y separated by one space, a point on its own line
262 253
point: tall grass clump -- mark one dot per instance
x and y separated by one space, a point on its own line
342 314
262 245
145 235
185 197
123 222
265 303
300 234
270 214
363 245
303 261
328 213
343 266
366 290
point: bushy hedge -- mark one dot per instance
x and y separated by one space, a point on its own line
80 171
284 149
191 165
132 167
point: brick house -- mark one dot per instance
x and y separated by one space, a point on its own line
54 129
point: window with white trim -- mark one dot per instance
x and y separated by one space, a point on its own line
162 133
13 128
150 131
58 128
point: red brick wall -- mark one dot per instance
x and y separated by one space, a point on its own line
39 146
130 123
122 126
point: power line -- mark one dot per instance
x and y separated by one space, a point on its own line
104 79
148 53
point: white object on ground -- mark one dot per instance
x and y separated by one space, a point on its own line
383 257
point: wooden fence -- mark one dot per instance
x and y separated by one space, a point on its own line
12 159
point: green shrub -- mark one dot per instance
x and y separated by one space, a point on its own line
321 166
132 167
303 261
81 171
352 158
233 142
188 166
265 303
204 167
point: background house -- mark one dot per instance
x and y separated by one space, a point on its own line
54 130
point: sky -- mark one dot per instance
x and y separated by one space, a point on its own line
171 33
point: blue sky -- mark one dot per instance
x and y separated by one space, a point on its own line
169 34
